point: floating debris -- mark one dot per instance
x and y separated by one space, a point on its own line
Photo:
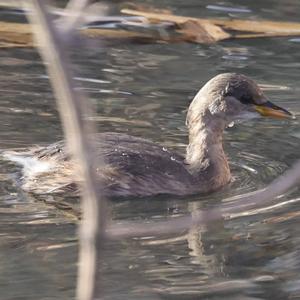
156 25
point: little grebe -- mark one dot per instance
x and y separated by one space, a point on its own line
136 167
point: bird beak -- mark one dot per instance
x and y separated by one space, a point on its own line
268 109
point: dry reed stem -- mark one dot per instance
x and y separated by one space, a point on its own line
70 103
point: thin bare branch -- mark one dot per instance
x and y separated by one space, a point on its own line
232 206
279 186
70 105
76 14
74 10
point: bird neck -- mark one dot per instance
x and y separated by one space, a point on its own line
205 155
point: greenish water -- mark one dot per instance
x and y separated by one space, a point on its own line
144 90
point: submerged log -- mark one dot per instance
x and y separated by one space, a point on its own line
152 29
20 35
15 35
216 28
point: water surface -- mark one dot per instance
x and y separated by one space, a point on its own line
144 90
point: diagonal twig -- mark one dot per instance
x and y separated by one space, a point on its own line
244 203
70 104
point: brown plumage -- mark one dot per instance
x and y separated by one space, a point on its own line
137 167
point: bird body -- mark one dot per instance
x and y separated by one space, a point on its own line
134 166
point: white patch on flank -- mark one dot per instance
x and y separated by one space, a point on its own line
31 165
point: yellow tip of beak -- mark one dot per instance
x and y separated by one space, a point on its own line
269 109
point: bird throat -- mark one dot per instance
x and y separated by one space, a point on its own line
205 156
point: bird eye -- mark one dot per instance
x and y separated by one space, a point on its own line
246 99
